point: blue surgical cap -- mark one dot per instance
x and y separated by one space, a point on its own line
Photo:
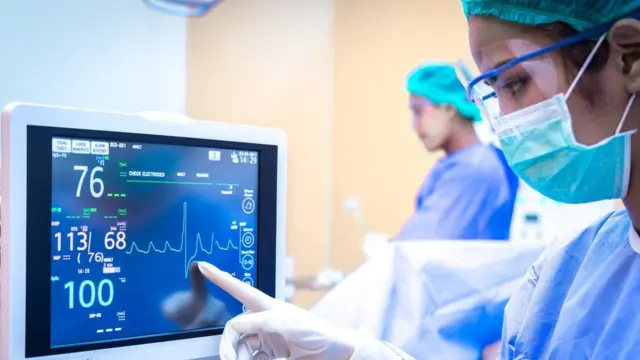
438 82
580 14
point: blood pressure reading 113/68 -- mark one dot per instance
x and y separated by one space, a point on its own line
127 222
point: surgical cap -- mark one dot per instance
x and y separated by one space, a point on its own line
580 14
438 82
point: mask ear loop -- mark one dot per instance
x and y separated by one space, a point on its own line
626 113
585 66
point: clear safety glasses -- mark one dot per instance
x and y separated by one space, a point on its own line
512 75
190 8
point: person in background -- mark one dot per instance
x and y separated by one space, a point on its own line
470 192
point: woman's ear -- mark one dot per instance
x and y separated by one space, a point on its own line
450 110
624 40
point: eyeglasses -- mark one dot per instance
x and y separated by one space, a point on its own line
588 34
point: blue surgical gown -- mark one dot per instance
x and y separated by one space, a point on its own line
580 298
468 195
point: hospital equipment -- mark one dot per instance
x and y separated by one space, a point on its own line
323 280
328 277
103 217
353 206
433 299
373 240
537 219
190 8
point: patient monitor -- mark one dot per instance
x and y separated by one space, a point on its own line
104 216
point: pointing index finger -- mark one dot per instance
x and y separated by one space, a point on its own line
253 298
198 282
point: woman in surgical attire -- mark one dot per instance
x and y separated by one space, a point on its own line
471 191
565 74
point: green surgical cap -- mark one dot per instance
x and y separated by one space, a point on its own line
438 82
581 14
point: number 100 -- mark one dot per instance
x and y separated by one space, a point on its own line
90 301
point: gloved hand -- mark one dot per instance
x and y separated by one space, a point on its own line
280 329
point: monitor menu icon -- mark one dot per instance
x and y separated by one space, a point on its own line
61 145
214 155
81 147
248 205
100 148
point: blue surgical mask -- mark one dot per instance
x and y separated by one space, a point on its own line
541 148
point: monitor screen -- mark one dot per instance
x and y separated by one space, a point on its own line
130 216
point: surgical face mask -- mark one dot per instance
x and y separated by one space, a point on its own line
540 146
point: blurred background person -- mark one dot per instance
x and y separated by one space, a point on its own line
470 192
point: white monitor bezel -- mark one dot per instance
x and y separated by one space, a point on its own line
13 130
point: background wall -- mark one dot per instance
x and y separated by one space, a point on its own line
271 63
330 73
114 55
376 154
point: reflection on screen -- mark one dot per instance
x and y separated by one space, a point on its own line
128 221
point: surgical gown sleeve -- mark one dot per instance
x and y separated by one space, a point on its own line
460 205
371 349
517 306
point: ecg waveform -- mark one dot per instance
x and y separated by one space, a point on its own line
183 245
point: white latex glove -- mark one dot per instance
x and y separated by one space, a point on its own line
284 330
